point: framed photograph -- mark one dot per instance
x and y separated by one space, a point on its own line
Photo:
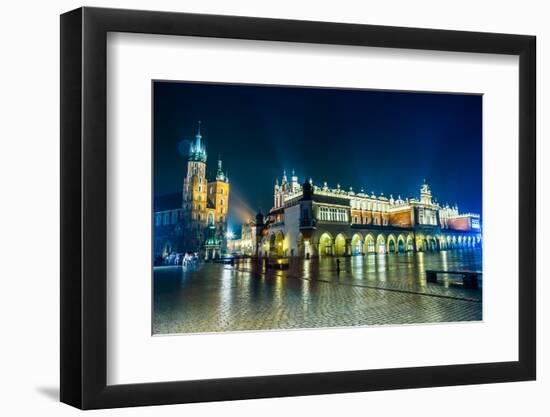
257 208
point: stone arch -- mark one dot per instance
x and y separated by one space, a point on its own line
271 245
340 244
392 244
357 244
409 246
381 244
276 244
401 244
326 244
167 248
421 245
370 245
431 243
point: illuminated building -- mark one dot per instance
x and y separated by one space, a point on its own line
245 245
308 220
200 222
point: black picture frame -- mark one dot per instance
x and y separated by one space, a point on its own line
84 207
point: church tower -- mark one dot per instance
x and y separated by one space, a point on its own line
205 204
195 189
218 199
217 211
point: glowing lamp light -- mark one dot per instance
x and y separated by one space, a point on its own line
230 235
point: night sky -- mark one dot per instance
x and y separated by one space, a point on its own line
377 140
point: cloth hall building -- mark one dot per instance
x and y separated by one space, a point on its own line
309 221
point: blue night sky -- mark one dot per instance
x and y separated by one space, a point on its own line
377 140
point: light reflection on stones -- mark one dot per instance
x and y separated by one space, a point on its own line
370 289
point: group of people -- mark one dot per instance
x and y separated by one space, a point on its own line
183 259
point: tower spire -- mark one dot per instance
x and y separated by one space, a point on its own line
197 151
220 176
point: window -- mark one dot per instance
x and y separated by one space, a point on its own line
355 219
221 191
158 220
333 214
200 189
166 218
174 217
221 202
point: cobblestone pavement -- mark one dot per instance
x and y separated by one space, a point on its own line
368 290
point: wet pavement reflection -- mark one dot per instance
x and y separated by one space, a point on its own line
366 290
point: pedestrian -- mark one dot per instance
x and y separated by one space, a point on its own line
337 265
